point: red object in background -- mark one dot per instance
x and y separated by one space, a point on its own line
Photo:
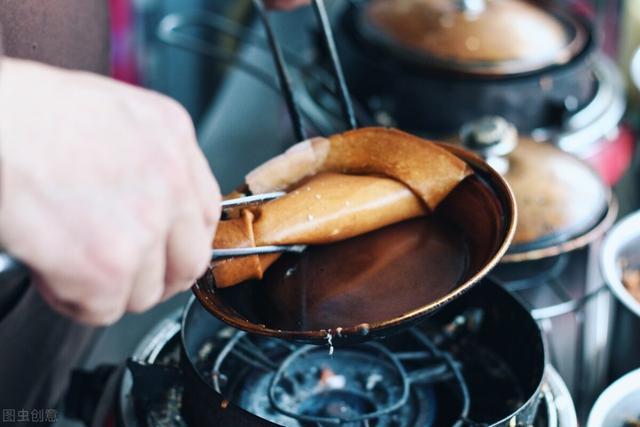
614 156
123 58
604 15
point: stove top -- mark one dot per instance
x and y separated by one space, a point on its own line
441 374
399 385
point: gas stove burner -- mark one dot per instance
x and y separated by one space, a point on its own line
394 383
348 388
354 385
470 365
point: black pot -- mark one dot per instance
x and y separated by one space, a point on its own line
508 330
422 99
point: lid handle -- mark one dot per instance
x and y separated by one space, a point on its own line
471 6
491 137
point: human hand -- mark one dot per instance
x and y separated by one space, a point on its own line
285 4
104 192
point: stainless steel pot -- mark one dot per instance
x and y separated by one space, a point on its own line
159 347
557 399
619 403
623 243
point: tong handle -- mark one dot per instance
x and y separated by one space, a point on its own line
218 254
283 76
336 67
251 200
11 269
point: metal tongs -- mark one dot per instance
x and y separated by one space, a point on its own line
284 79
294 113
217 254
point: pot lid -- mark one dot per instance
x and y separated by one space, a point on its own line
478 36
559 198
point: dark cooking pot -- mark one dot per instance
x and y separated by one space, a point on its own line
507 331
424 89
481 208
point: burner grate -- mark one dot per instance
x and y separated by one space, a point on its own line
367 385
356 385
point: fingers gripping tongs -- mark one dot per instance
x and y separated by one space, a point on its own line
12 269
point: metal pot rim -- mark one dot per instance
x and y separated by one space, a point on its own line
625 232
573 243
612 395
557 397
598 118
635 69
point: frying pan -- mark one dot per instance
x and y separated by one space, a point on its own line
382 291
481 211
